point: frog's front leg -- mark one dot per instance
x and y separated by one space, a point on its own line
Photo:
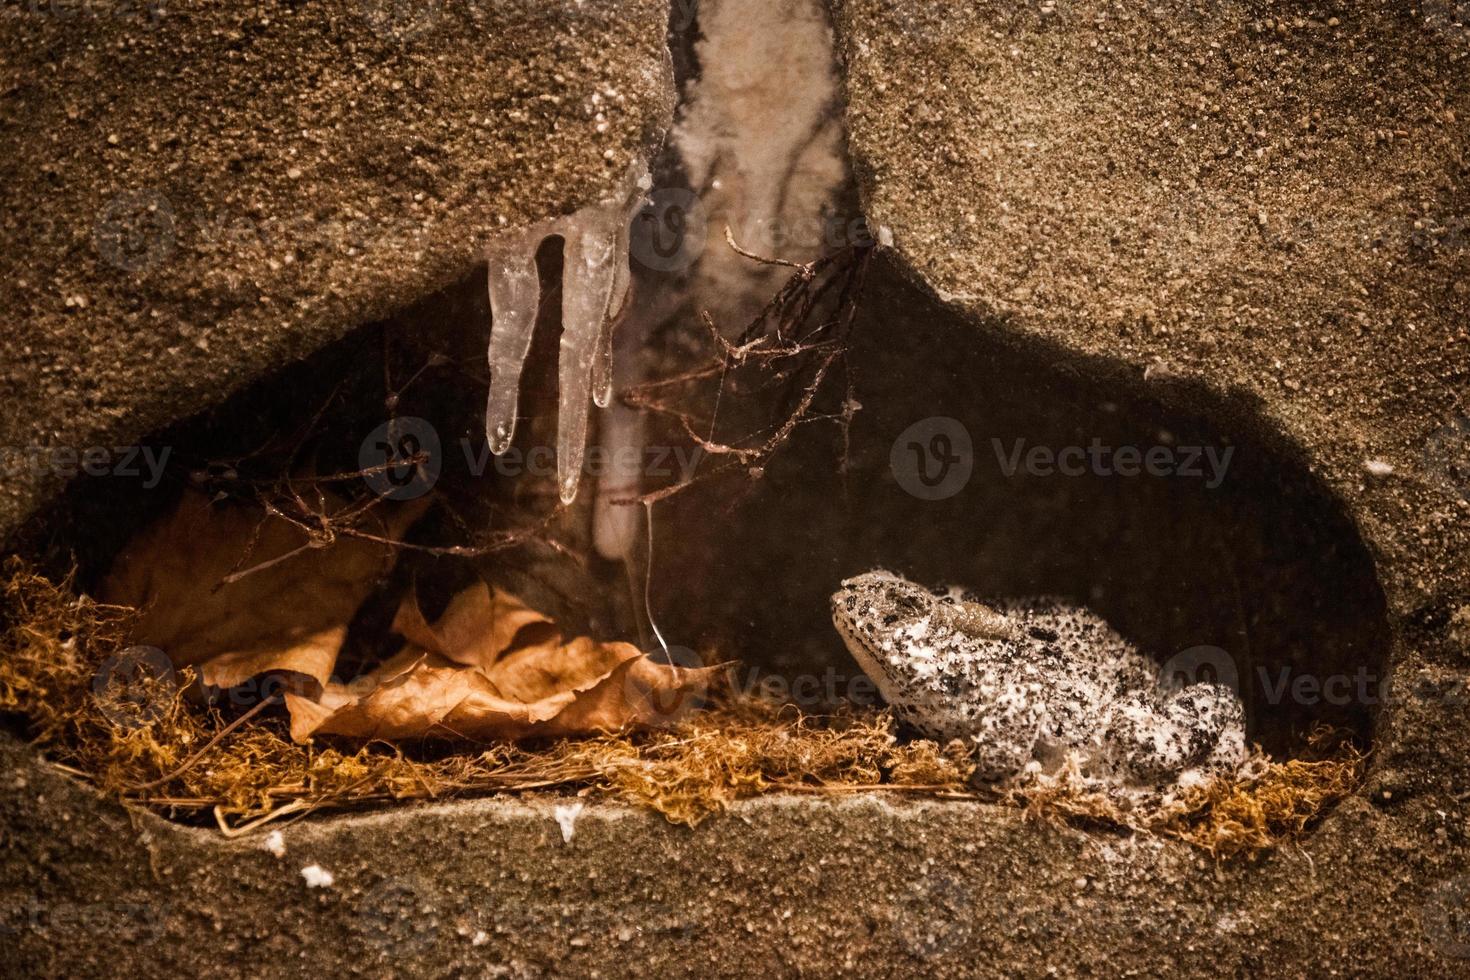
1007 720
1155 741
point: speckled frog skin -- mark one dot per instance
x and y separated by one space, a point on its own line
1033 680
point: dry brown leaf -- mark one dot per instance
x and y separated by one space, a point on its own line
478 625
290 613
493 669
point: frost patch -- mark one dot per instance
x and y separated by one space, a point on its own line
317 876
566 818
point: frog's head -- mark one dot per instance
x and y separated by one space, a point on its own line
889 622
872 612
880 603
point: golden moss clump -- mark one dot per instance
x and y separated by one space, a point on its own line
1269 803
165 752
184 758
1228 817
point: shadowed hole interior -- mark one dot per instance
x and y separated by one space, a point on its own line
1264 567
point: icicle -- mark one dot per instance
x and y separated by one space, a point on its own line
615 525
602 366
514 294
602 385
595 283
586 289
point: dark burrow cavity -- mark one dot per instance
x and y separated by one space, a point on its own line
1254 570
1241 563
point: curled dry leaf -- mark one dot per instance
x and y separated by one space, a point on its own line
479 624
288 611
491 668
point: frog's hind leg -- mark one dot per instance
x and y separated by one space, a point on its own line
1153 740
1216 718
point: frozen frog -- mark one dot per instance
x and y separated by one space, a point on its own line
1033 680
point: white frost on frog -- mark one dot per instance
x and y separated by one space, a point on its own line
595 281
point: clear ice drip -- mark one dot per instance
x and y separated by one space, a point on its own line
586 290
595 282
602 386
514 294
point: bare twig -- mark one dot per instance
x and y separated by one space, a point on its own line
785 344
